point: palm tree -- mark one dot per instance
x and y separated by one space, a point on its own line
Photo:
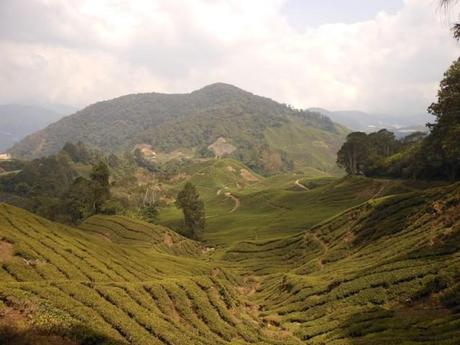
456 27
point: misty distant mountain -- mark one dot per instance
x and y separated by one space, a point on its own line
18 121
361 121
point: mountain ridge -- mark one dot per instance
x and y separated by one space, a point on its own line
194 121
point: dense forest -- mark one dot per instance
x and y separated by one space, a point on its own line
266 134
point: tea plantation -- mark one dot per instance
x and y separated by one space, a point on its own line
343 261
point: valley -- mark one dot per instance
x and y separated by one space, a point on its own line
229 172
222 217
349 261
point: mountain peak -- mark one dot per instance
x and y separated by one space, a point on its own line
220 88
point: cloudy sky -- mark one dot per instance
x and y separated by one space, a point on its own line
384 56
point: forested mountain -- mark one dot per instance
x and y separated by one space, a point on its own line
17 121
266 135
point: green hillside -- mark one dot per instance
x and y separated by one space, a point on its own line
115 281
242 205
385 272
347 261
266 135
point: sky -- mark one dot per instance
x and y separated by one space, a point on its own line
379 56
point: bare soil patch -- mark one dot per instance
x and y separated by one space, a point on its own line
6 251
168 240
221 148
16 328
246 174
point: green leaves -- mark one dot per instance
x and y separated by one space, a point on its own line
193 209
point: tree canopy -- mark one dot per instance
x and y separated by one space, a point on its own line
442 147
192 207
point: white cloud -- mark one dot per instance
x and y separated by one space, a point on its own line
81 52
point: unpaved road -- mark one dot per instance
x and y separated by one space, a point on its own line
235 199
298 184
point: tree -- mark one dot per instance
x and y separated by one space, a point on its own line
353 153
383 143
78 153
79 201
100 176
150 212
442 147
193 209
456 26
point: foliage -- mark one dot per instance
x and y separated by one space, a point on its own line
150 212
78 153
195 121
188 200
359 277
79 201
100 175
456 26
441 150
353 153
435 157
49 176
380 154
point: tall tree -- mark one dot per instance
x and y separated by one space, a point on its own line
442 147
100 176
192 207
79 201
353 153
383 142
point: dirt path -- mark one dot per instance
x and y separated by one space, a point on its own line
384 184
298 184
235 199
324 247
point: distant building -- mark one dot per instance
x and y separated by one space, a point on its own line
5 156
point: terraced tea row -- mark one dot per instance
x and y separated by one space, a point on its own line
120 281
387 271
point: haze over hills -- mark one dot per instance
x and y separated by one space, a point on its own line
266 135
17 121
362 121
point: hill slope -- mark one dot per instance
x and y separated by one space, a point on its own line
115 281
17 121
262 133
385 271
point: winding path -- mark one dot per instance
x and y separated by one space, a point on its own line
324 247
298 184
235 199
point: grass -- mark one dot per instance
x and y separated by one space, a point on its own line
270 207
349 261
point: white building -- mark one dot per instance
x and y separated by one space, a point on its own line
4 156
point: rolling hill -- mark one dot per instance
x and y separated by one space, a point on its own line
267 136
381 267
